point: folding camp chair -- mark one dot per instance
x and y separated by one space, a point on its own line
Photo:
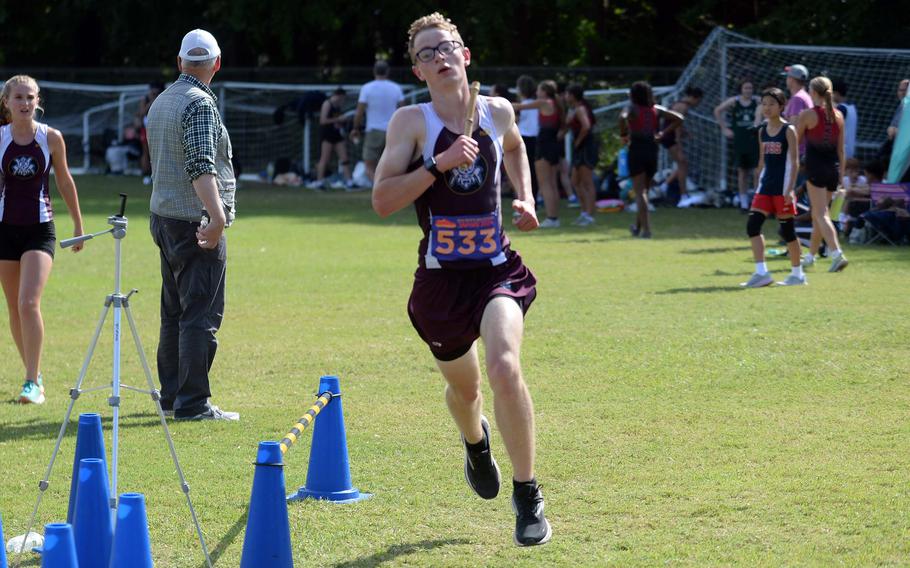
899 194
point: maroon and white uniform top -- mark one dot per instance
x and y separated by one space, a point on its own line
24 179
461 213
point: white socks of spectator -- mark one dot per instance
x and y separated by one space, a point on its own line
809 257
797 270
836 253
761 268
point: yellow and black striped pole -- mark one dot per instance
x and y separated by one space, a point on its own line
305 421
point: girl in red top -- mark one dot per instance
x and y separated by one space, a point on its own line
639 125
546 160
822 128
584 152
28 149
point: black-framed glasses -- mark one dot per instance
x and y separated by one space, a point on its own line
446 48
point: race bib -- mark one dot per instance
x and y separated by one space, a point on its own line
466 237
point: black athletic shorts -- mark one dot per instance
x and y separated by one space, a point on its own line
15 240
642 157
329 133
548 146
822 174
586 155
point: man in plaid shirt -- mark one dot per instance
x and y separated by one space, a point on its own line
192 202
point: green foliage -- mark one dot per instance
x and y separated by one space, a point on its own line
520 32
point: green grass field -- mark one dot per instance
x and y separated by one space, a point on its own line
681 420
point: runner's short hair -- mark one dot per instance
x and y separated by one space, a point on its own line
434 20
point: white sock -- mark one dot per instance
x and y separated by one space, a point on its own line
761 268
836 253
797 270
810 256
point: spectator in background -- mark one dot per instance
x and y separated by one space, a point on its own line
745 116
850 117
584 152
638 125
501 90
546 159
528 125
378 100
822 127
797 75
896 119
331 138
674 137
117 155
563 174
145 103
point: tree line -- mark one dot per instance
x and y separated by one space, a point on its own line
324 33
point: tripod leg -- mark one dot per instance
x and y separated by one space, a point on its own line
156 397
74 394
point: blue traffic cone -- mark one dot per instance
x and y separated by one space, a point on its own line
89 444
132 548
2 546
268 535
59 551
92 518
329 472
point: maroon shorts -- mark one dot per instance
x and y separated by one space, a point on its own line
446 306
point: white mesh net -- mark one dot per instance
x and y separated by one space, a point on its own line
725 58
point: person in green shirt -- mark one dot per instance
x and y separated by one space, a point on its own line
745 116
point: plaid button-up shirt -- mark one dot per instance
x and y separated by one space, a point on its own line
201 131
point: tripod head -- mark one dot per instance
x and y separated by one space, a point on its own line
117 221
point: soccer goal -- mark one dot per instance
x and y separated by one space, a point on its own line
90 117
726 58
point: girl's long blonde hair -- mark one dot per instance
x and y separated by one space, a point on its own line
5 115
822 87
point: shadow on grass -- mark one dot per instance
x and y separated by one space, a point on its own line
43 429
229 537
701 290
398 550
715 250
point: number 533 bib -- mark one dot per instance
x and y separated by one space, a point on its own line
465 237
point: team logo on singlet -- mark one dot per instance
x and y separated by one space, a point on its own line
23 167
465 180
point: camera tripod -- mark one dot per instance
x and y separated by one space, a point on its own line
120 305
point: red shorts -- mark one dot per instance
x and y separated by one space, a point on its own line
773 204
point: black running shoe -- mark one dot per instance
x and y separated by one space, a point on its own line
531 527
480 469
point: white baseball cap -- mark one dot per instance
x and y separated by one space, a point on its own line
196 40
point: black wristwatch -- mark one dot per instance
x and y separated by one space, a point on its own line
430 165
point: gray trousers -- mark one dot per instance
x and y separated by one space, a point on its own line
192 308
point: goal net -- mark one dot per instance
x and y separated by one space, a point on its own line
90 117
726 58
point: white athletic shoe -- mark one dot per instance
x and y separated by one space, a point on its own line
839 263
758 280
794 280
549 224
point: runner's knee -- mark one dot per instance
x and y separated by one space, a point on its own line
753 225
788 230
